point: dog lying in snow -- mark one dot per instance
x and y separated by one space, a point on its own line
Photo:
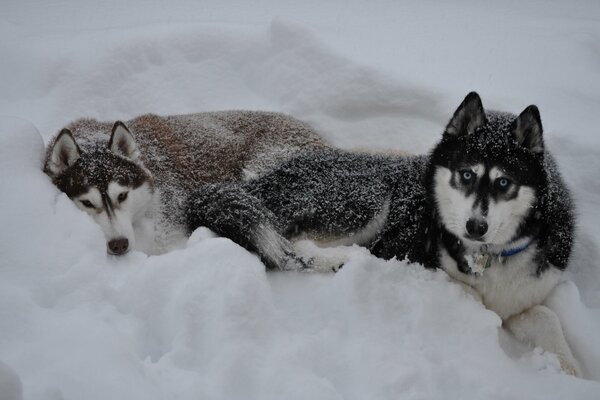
133 179
488 206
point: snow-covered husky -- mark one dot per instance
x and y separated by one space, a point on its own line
135 189
487 205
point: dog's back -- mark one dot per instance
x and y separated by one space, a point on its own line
178 153
211 146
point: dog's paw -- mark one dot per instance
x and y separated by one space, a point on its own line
570 366
295 263
336 268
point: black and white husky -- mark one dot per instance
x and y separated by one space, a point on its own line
487 205
135 189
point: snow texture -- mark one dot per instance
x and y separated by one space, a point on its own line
226 146
207 321
325 194
550 219
328 193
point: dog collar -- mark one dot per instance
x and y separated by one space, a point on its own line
484 249
483 260
515 250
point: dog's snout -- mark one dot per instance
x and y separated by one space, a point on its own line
118 246
476 228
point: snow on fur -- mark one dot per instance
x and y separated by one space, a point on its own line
207 321
176 154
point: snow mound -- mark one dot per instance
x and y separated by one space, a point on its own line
207 321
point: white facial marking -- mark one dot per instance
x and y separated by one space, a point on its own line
454 206
495 173
114 190
126 213
503 216
120 224
479 170
94 197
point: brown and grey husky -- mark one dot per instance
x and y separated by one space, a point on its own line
133 178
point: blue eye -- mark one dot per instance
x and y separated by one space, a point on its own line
467 175
502 183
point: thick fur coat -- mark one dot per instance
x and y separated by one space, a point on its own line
146 168
487 205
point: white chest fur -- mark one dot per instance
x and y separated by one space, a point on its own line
509 287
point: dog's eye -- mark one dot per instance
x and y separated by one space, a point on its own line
467 175
87 203
502 183
122 197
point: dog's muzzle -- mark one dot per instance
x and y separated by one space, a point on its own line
476 228
118 246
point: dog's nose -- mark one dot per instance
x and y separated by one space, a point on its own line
476 228
118 246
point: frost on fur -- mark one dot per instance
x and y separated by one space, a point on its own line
64 152
418 208
277 250
168 157
122 142
527 129
468 117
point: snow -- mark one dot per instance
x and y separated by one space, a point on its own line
207 321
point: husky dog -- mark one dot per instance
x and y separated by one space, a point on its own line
135 188
487 205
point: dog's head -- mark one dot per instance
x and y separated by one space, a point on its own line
108 181
487 173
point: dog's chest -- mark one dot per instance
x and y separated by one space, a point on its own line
507 287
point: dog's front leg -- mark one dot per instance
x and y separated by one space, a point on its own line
541 327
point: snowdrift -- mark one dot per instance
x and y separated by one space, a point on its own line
207 321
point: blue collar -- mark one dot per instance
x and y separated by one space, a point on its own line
515 250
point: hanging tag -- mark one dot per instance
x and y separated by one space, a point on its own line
488 261
478 262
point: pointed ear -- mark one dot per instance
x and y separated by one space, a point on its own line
63 153
527 129
122 142
468 117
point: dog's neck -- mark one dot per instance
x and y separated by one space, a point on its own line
501 250
457 248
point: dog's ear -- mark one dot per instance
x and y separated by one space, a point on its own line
122 142
527 129
63 153
469 116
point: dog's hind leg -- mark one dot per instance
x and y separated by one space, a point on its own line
541 327
230 211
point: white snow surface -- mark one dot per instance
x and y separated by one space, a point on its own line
207 321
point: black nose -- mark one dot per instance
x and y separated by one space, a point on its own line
476 228
118 246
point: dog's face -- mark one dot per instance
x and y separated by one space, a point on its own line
488 173
108 182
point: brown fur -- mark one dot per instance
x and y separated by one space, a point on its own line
223 143
184 151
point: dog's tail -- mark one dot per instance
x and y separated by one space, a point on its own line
230 211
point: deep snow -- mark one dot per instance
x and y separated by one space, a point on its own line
207 321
